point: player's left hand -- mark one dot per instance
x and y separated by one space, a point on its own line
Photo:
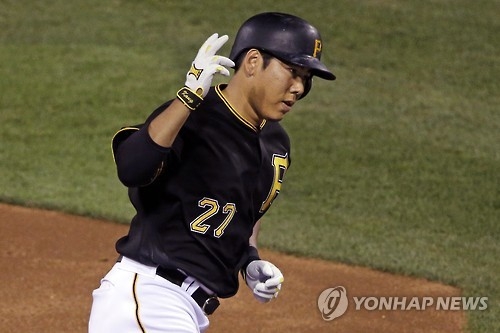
206 64
264 279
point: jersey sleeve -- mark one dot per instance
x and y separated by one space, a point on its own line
139 160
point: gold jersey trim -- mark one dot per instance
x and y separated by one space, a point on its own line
236 114
131 130
120 132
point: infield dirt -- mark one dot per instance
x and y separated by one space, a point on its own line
52 261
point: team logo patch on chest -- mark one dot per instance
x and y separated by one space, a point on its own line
280 165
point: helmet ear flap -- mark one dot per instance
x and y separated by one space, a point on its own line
307 87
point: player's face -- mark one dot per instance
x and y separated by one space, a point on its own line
280 86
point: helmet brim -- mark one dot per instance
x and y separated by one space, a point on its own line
316 66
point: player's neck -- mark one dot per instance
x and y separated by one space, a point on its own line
239 101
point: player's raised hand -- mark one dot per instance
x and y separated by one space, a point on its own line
206 64
264 279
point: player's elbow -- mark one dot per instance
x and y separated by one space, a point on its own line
136 175
127 178
138 161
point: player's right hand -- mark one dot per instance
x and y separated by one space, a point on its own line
206 64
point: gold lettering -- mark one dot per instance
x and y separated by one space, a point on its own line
187 98
317 48
280 164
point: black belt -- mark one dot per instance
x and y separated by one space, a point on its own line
208 303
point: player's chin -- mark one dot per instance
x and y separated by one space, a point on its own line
282 111
278 112
276 116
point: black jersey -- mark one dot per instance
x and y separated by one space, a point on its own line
198 210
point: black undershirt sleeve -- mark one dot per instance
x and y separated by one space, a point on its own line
251 255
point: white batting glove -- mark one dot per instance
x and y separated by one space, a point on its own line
264 279
206 64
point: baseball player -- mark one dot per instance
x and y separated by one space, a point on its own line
201 172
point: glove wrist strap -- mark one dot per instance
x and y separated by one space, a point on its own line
189 98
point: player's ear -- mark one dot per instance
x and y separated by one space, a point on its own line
250 61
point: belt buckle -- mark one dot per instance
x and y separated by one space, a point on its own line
210 305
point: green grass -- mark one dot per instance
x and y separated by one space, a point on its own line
396 165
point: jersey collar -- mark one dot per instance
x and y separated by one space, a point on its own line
242 119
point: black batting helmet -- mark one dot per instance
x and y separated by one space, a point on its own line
286 37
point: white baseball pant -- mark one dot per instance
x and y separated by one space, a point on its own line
132 298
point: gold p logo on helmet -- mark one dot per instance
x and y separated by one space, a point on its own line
317 48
